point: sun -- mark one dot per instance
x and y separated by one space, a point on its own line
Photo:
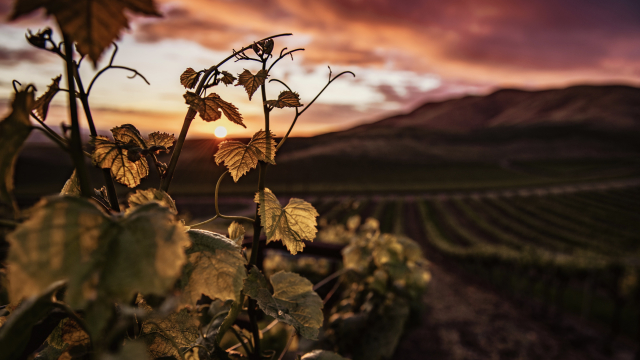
220 131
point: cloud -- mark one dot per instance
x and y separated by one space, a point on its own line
11 57
476 40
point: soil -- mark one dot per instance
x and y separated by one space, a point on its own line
466 319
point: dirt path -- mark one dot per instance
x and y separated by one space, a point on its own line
466 320
463 321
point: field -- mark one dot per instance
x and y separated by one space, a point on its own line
549 248
563 256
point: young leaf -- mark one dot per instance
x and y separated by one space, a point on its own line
209 108
293 301
322 355
70 238
229 110
14 130
72 186
251 82
236 233
128 133
92 24
161 140
215 268
141 197
109 155
240 158
41 107
286 99
227 78
189 78
292 224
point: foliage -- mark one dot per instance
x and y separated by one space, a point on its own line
14 130
293 300
291 225
102 283
388 275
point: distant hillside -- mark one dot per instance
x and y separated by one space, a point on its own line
506 139
571 123
599 107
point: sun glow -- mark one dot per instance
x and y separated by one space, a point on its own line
220 131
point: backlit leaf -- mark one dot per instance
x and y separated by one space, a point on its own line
41 107
209 108
322 355
236 233
72 186
14 130
161 139
141 197
215 268
189 78
100 257
227 78
286 99
229 110
109 155
128 133
293 301
292 224
240 158
92 24
251 82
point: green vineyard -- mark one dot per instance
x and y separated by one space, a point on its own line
561 253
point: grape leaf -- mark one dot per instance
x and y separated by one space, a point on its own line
286 99
209 108
141 197
181 326
72 186
14 130
92 24
41 107
109 155
251 82
293 301
229 110
292 224
236 233
70 238
128 133
189 78
322 355
240 158
161 139
227 78
215 268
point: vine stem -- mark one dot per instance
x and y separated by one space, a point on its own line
191 113
298 113
218 215
75 146
106 173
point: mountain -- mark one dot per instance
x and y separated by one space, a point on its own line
509 124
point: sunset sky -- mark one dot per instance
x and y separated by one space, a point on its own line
404 53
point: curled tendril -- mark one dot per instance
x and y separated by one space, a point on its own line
30 86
